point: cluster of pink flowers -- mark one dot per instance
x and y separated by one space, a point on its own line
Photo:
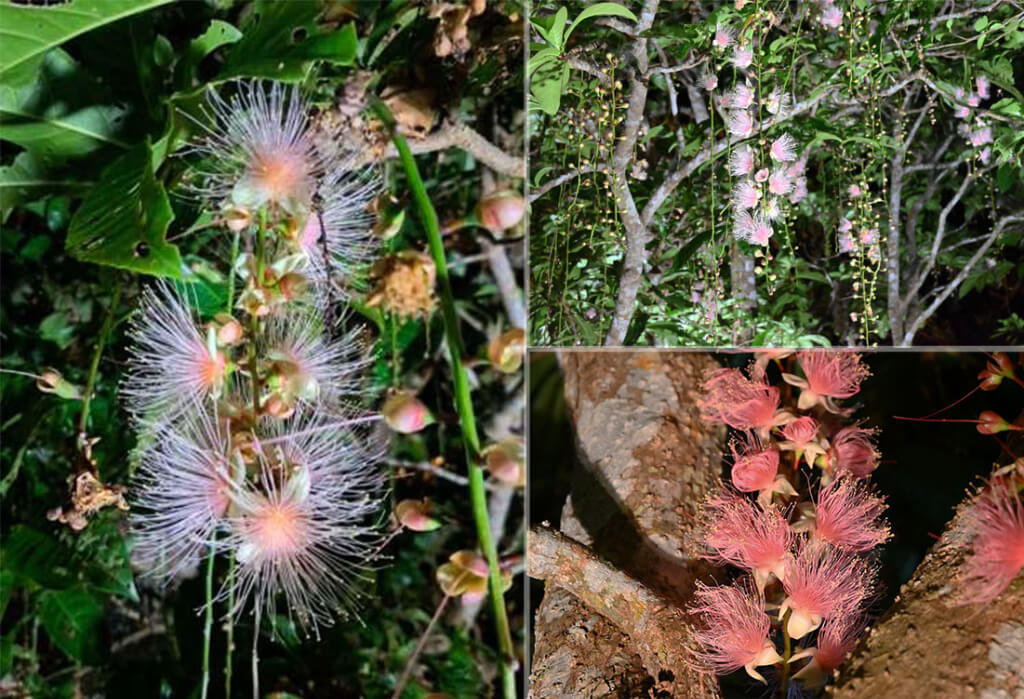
974 128
831 16
803 539
249 446
763 181
866 240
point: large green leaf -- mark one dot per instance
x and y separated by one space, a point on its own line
57 115
123 219
29 31
73 619
281 39
31 555
601 9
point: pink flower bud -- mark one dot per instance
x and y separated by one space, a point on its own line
405 413
506 350
506 462
501 210
412 514
990 422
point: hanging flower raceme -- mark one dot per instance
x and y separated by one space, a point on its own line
254 444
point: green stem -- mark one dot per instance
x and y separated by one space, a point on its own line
208 624
90 384
787 651
463 404
230 624
231 271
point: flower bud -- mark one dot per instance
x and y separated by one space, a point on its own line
277 405
464 575
506 350
229 330
990 422
52 381
412 514
1001 367
387 226
237 218
292 286
501 210
506 462
406 414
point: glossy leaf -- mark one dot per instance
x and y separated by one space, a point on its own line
73 620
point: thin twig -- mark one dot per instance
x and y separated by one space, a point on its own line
411 662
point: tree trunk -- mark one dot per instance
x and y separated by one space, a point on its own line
926 647
645 462
744 291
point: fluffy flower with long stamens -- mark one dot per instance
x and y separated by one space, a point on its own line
306 532
848 515
724 36
800 436
741 124
171 364
828 375
181 492
260 149
337 237
783 149
741 403
743 56
836 639
306 366
735 630
823 582
779 183
853 451
746 195
756 229
993 527
746 536
741 161
741 97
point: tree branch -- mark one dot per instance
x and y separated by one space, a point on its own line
460 136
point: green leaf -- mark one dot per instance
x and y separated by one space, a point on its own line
123 220
281 39
56 116
556 35
26 180
216 35
56 329
7 585
73 619
29 31
601 9
31 555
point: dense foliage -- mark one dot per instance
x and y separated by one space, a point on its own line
100 103
898 219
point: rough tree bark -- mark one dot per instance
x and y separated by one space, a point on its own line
926 647
645 462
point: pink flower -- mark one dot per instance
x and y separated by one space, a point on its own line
742 56
959 93
797 168
848 515
754 229
823 582
724 36
783 148
777 103
771 209
709 82
981 136
832 17
984 155
983 85
854 191
836 639
735 630
799 190
761 175
171 363
746 536
741 161
829 374
853 451
801 436
962 112
846 242
261 149
845 225
993 526
181 493
742 403
741 124
973 100
741 97
778 183
306 366
756 471
868 236
745 195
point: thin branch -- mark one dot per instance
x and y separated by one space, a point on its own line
460 136
559 181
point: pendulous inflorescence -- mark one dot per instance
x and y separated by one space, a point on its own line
799 519
255 439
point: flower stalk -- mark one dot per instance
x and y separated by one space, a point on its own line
463 401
